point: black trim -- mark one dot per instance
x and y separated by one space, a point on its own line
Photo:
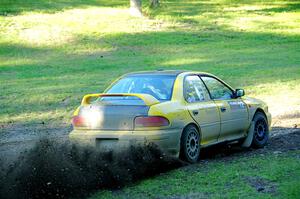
206 87
203 84
219 80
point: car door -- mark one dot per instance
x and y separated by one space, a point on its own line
203 110
233 111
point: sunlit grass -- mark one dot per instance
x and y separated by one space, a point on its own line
275 23
59 29
282 97
50 58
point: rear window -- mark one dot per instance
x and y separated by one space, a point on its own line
159 86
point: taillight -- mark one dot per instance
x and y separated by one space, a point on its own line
151 121
78 121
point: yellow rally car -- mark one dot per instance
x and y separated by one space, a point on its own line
179 111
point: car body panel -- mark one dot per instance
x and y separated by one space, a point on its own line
234 120
214 126
112 117
166 139
255 105
207 116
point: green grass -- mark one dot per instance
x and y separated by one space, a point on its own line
237 178
54 52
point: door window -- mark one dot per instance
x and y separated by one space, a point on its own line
217 89
194 89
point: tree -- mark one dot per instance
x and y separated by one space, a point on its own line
136 8
154 3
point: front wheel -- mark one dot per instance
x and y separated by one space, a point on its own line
261 131
190 144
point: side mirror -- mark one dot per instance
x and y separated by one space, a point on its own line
239 93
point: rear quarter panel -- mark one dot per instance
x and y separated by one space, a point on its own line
175 112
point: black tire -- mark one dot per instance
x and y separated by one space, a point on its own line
261 131
190 144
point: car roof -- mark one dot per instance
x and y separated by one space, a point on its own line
157 72
165 72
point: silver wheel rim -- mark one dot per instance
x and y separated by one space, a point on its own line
192 145
260 130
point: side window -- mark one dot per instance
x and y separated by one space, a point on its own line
194 89
217 89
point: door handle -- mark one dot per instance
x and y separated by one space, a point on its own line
223 109
195 112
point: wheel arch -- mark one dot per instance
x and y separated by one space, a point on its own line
192 124
259 110
182 150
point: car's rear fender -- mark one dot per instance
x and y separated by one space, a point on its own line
174 111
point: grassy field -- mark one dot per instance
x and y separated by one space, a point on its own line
54 52
278 175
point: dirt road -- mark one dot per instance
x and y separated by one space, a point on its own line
15 139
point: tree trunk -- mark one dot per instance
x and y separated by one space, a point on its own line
154 3
136 8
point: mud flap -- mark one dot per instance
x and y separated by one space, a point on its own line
248 141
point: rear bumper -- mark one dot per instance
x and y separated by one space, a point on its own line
168 139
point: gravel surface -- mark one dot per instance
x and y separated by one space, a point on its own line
16 138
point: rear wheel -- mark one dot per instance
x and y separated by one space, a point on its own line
190 144
261 130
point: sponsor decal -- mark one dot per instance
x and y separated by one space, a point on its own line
236 105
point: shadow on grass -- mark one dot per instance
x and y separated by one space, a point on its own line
182 9
240 58
9 7
289 7
55 169
40 78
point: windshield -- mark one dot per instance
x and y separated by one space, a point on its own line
159 86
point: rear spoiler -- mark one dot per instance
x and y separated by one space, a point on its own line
148 99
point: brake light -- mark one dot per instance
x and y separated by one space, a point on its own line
151 121
78 121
